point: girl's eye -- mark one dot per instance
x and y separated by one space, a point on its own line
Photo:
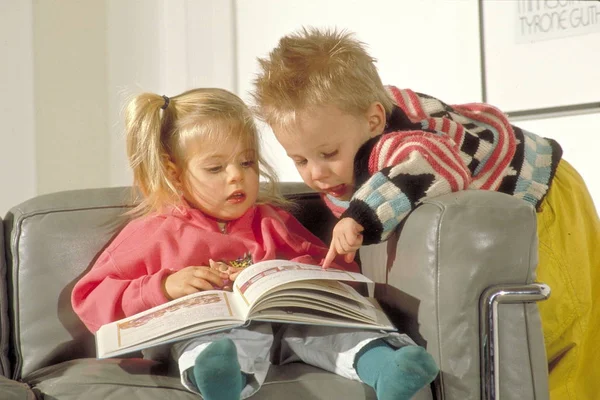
248 164
214 170
300 163
329 155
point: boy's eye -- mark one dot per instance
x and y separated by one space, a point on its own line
330 154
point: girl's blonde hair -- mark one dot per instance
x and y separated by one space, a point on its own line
312 68
158 130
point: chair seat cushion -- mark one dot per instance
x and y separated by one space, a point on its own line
114 379
13 390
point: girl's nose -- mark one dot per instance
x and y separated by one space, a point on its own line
235 173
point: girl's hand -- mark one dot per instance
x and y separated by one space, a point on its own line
232 273
347 239
191 280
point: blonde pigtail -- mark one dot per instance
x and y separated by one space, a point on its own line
145 130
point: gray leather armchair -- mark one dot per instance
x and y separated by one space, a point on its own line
443 289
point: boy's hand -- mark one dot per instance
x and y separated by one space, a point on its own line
191 280
347 238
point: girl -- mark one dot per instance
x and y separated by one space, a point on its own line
195 159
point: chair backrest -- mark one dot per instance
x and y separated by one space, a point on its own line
51 241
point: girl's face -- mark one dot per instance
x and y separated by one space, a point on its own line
222 181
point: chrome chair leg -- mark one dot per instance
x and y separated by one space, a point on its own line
488 328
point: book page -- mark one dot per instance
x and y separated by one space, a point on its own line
329 288
332 297
258 279
192 310
177 335
316 305
299 316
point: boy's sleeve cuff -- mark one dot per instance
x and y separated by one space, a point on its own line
366 217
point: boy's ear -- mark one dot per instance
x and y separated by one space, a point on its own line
376 119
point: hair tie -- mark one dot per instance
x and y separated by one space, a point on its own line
167 100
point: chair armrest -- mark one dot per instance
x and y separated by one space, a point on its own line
451 249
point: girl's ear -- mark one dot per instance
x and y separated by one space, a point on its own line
173 172
376 119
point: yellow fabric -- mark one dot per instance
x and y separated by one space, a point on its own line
569 262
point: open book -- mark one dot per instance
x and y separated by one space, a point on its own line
275 290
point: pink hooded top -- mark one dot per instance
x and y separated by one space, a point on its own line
127 277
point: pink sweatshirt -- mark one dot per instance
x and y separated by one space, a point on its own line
127 277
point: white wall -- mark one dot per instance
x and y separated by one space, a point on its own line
17 135
431 46
165 47
67 68
71 105
133 66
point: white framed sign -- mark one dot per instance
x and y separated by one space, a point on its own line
541 54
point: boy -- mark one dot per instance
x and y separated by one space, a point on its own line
375 153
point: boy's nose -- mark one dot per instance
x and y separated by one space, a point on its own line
318 172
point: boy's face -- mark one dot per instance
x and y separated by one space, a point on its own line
323 143
223 182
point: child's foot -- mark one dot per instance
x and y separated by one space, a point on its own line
395 374
217 373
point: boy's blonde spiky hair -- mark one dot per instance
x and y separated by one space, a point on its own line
311 68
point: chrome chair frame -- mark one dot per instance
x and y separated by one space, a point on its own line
488 328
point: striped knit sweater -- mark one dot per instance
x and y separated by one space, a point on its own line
429 149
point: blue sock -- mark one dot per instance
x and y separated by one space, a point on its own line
217 373
395 374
